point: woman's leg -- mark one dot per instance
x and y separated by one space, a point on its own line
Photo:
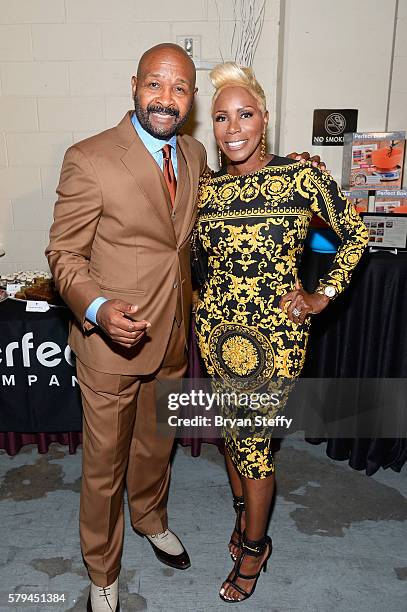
237 490
258 494
234 476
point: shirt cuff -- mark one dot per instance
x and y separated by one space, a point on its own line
93 309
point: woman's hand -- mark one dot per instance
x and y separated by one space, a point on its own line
305 156
301 303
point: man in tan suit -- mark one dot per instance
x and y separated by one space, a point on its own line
119 254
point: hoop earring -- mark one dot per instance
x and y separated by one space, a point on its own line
220 158
263 147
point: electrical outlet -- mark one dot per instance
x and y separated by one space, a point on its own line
191 44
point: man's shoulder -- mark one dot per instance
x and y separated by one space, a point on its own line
192 143
195 148
98 142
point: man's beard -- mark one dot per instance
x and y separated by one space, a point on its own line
143 115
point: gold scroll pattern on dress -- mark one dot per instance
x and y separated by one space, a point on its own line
253 228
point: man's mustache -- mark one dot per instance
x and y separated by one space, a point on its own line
165 110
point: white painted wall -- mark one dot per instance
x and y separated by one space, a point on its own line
338 55
65 68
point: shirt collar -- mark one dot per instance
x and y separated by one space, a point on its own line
152 144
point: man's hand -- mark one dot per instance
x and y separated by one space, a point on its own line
305 156
302 302
112 318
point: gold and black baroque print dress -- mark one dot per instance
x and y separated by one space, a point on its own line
253 229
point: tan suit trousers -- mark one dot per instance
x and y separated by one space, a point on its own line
121 446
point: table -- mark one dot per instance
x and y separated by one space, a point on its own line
345 344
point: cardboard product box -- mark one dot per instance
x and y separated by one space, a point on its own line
360 199
373 160
391 201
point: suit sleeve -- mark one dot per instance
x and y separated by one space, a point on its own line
328 202
76 216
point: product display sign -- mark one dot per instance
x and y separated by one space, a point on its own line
360 200
386 231
329 126
373 160
391 201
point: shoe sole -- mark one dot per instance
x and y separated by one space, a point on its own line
169 564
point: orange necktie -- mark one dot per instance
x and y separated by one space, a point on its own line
169 174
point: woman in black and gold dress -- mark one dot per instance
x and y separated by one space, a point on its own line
252 317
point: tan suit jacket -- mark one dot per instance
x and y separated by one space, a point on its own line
115 234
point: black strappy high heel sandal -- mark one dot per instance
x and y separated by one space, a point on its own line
254 548
238 505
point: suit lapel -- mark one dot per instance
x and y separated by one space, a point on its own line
181 178
189 164
143 167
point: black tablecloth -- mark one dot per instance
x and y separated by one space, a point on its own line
363 333
38 388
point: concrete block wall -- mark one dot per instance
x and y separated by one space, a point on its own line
65 69
398 94
339 55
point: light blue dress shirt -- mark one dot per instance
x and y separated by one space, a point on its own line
154 147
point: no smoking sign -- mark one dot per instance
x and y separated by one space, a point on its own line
330 125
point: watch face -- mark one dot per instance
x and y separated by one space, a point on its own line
330 291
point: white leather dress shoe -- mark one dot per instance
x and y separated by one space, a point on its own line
167 542
169 550
104 599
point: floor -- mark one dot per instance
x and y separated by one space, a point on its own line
340 537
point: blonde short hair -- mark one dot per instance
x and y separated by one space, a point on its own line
232 74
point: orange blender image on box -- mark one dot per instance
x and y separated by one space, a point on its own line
377 164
